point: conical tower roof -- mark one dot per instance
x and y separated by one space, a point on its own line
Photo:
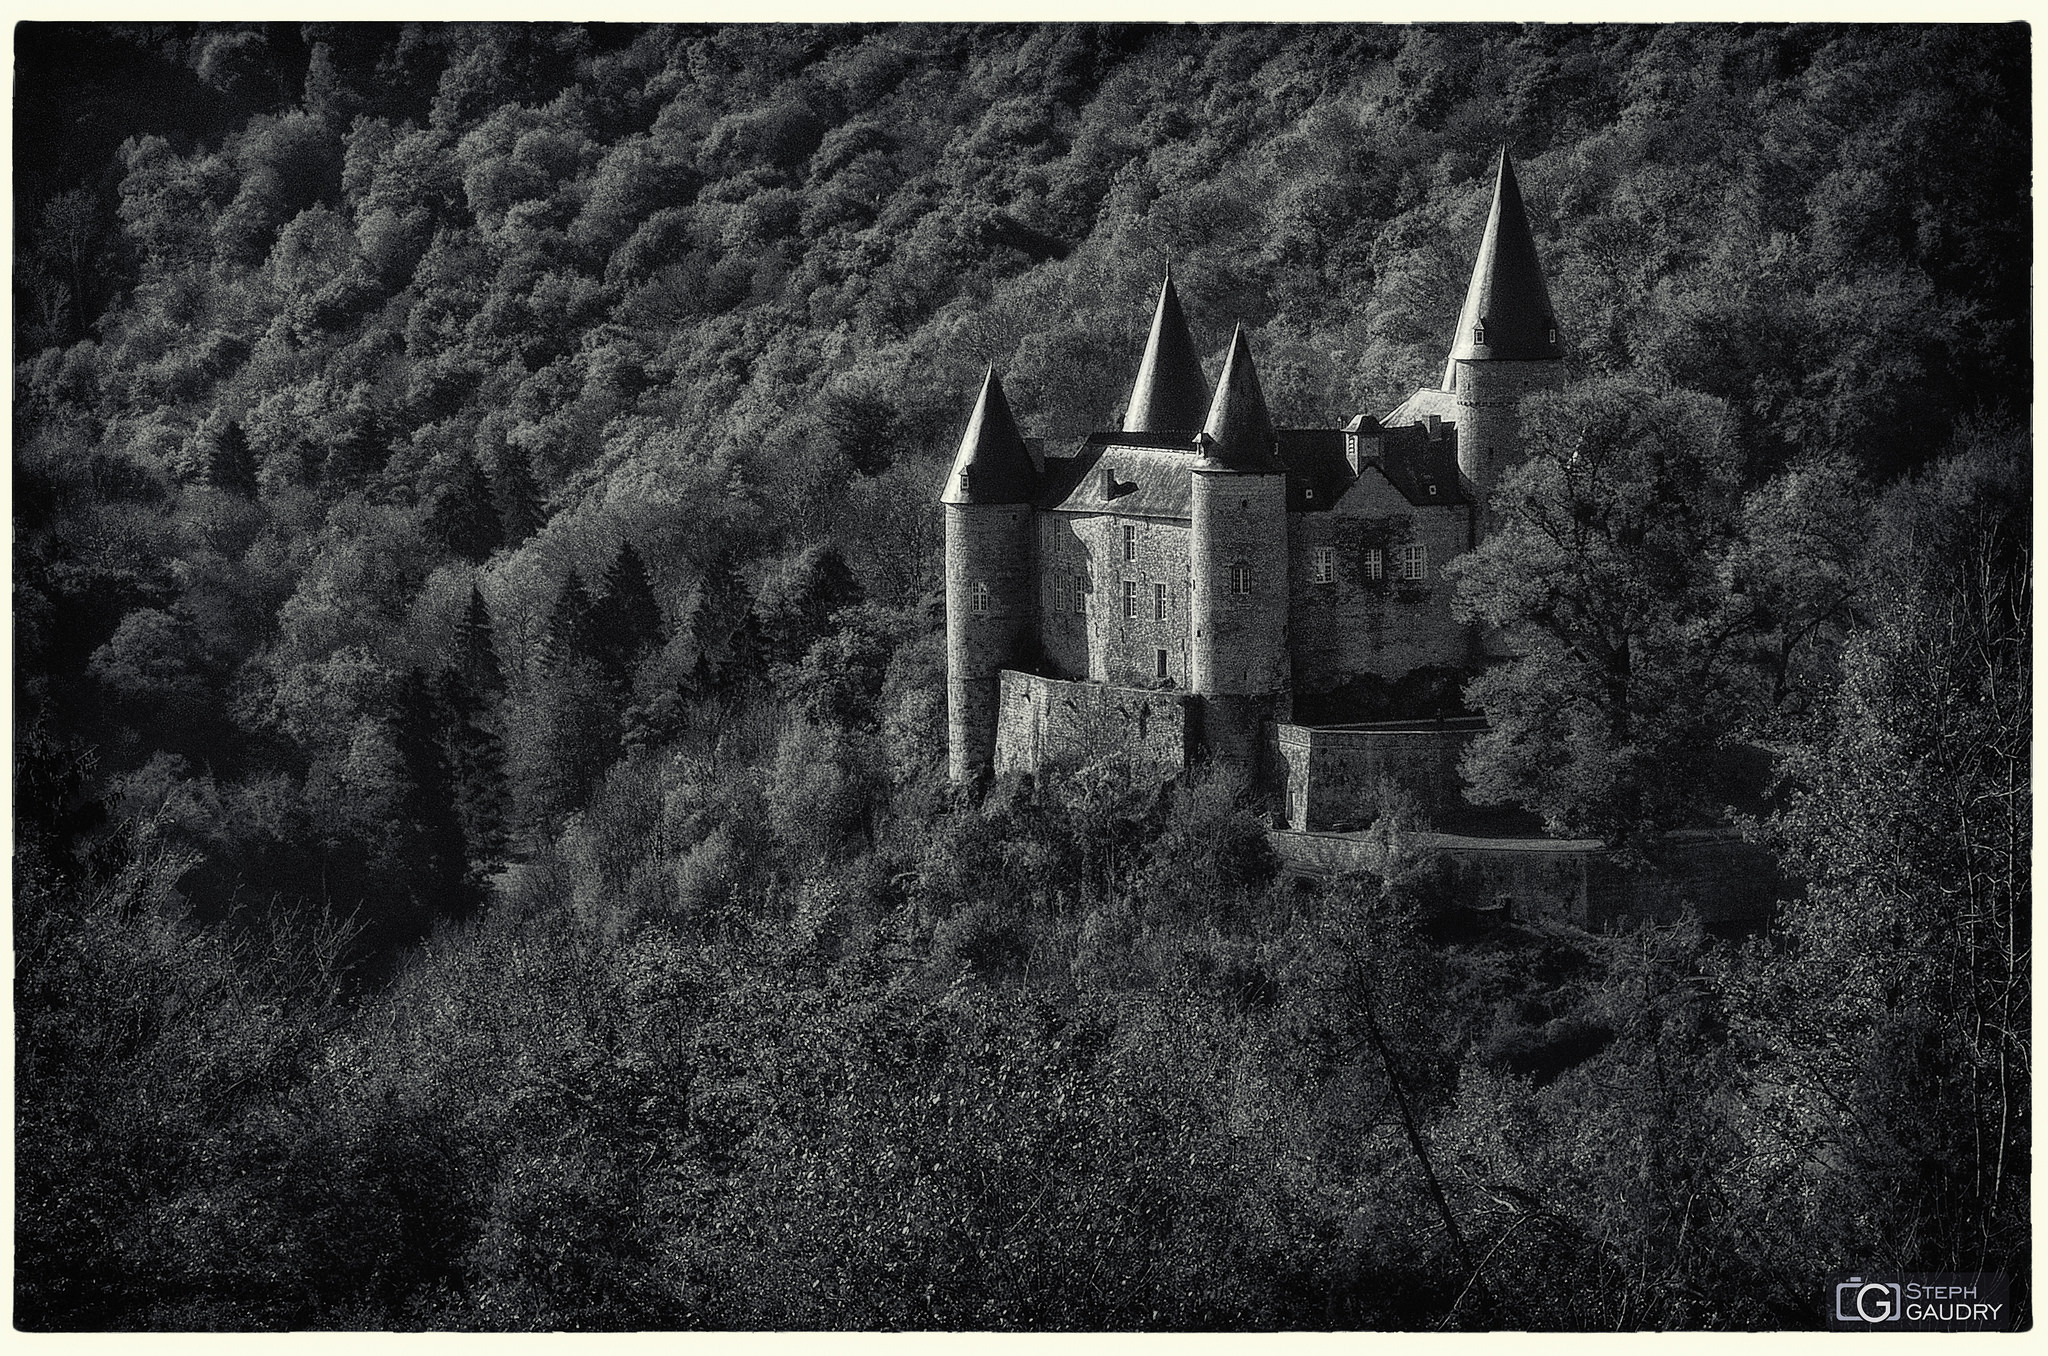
1507 311
992 465
1239 430
1169 395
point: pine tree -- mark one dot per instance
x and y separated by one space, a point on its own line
463 515
516 497
476 652
430 854
626 621
230 465
476 763
570 629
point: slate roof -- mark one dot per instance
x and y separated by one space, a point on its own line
1150 482
1425 402
993 466
1507 295
1238 422
1170 394
1152 472
1423 469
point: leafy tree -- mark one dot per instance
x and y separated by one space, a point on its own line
1601 576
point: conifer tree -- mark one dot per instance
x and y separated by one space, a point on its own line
516 497
429 850
626 620
463 515
476 763
569 632
476 651
230 465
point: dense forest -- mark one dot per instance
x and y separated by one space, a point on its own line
483 852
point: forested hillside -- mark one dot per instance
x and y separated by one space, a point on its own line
483 851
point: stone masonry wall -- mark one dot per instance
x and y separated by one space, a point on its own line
1387 626
1082 574
988 547
1332 776
1048 720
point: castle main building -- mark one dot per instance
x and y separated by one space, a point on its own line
1171 587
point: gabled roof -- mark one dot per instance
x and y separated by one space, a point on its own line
1422 469
1507 311
1239 428
1170 394
992 466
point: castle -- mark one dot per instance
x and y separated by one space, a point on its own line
1175 586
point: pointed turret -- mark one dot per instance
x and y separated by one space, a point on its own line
992 466
1169 395
1238 434
1507 311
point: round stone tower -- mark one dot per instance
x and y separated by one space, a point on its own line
1237 562
1507 344
991 604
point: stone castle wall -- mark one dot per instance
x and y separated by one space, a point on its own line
1357 624
987 547
1331 777
1083 571
1240 645
1047 721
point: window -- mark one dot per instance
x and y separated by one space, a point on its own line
1240 577
1351 448
1159 602
1479 333
1375 569
1130 543
1414 564
1326 564
981 600
1159 663
1130 600
1080 594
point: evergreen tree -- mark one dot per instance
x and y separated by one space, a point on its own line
626 620
476 762
476 652
230 465
463 515
569 633
430 857
517 499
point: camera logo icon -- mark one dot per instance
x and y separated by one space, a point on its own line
1861 1301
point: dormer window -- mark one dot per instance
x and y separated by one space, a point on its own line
1351 448
1432 491
1550 333
966 479
1479 332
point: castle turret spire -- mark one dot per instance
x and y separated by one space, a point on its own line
992 466
1239 428
1169 395
1507 313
